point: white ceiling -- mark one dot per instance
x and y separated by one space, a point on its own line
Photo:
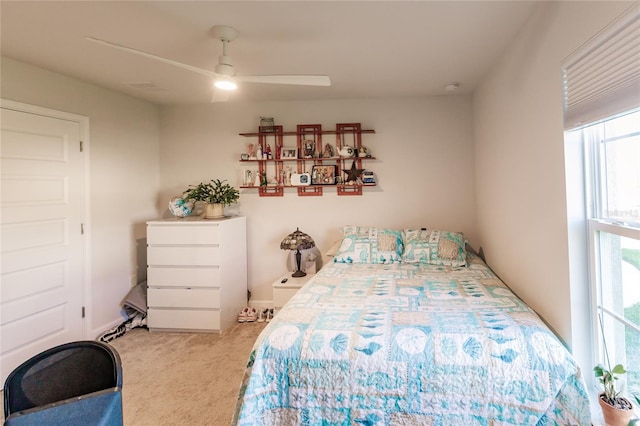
368 48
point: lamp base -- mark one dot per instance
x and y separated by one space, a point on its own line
299 273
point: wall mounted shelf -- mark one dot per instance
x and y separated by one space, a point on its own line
309 153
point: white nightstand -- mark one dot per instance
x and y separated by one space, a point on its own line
283 291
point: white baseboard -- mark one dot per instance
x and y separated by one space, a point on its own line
261 304
97 332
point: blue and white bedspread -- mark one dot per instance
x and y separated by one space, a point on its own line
409 344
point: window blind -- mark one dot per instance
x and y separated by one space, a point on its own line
602 78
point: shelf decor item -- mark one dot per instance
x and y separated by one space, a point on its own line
324 175
179 207
347 151
216 193
353 174
297 241
267 124
289 153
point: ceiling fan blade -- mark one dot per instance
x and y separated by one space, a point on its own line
152 56
220 95
302 80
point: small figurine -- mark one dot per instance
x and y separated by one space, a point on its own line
308 149
268 152
251 151
287 176
259 152
328 151
362 152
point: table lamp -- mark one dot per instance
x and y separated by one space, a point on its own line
297 241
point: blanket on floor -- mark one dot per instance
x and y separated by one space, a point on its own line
134 306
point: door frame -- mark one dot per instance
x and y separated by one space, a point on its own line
83 122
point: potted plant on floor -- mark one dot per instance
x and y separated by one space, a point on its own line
216 193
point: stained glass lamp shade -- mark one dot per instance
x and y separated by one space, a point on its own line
297 241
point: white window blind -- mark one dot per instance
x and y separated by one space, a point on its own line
602 78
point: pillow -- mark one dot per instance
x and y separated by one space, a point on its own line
434 247
362 244
333 249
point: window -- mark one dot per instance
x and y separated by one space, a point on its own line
602 158
612 177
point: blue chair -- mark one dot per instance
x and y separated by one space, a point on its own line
77 383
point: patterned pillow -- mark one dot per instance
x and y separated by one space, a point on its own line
362 244
434 247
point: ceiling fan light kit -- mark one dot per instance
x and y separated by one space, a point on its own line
225 74
225 84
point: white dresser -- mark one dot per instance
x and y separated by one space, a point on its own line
196 273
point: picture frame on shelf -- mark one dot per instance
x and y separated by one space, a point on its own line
289 153
324 175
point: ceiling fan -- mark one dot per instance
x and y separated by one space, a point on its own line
225 78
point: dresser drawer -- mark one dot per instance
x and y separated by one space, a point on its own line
183 276
185 255
183 298
183 319
179 234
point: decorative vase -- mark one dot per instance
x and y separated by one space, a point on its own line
213 211
615 416
180 207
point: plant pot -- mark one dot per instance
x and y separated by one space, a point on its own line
616 416
214 211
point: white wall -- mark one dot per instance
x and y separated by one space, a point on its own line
429 167
124 176
520 169
424 169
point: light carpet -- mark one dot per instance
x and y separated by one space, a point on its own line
183 378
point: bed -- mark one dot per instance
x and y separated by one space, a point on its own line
413 332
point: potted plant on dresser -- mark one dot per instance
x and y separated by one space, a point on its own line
216 193
616 409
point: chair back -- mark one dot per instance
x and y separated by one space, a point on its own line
68 371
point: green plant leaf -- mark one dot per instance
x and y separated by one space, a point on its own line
598 370
214 192
618 369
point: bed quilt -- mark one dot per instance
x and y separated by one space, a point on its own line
409 344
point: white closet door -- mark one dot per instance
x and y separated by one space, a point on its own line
41 242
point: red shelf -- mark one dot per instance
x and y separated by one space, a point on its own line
347 134
323 132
